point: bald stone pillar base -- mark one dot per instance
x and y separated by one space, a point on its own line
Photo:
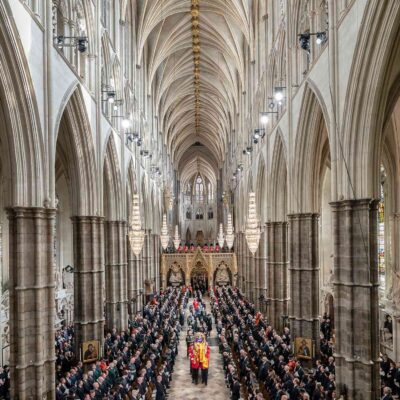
304 277
32 305
356 298
116 276
88 240
277 272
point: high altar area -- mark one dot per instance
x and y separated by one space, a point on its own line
218 269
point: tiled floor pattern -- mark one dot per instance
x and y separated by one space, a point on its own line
182 387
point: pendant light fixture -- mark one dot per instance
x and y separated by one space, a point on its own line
164 233
229 237
136 233
252 231
177 239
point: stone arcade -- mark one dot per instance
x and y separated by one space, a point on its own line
192 105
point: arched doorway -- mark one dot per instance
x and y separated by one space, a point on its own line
199 277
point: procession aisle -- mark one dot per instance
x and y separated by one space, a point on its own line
181 384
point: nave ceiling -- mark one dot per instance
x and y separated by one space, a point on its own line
194 52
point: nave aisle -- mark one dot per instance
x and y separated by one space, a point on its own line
182 387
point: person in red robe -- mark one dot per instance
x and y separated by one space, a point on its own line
194 365
217 248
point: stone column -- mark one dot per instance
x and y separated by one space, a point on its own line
304 276
151 256
140 280
116 275
243 263
356 298
260 285
239 246
32 305
157 262
248 265
251 275
277 268
145 258
88 238
132 280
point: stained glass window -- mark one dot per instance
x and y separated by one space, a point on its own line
199 192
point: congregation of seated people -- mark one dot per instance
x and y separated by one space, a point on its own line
136 364
259 362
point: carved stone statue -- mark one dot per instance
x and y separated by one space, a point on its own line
175 277
222 276
394 293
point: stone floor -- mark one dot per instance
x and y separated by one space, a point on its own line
182 387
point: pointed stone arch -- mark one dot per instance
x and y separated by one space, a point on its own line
75 151
279 181
261 194
112 183
144 203
153 210
131 186
24 165
312 150
377 63
22 145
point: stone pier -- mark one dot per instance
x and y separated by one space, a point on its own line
116 275
277 272
88 238
32 305
356 298
304 276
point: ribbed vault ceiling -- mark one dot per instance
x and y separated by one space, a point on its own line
165 40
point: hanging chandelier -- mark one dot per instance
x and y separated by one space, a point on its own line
164 233
136 233
220 237
177 239
229 237
252 231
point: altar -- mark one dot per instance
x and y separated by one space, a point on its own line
217 269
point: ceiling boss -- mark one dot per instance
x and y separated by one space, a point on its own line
195 12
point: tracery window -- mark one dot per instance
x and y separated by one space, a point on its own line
210 192
199 189
199 214
210 213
